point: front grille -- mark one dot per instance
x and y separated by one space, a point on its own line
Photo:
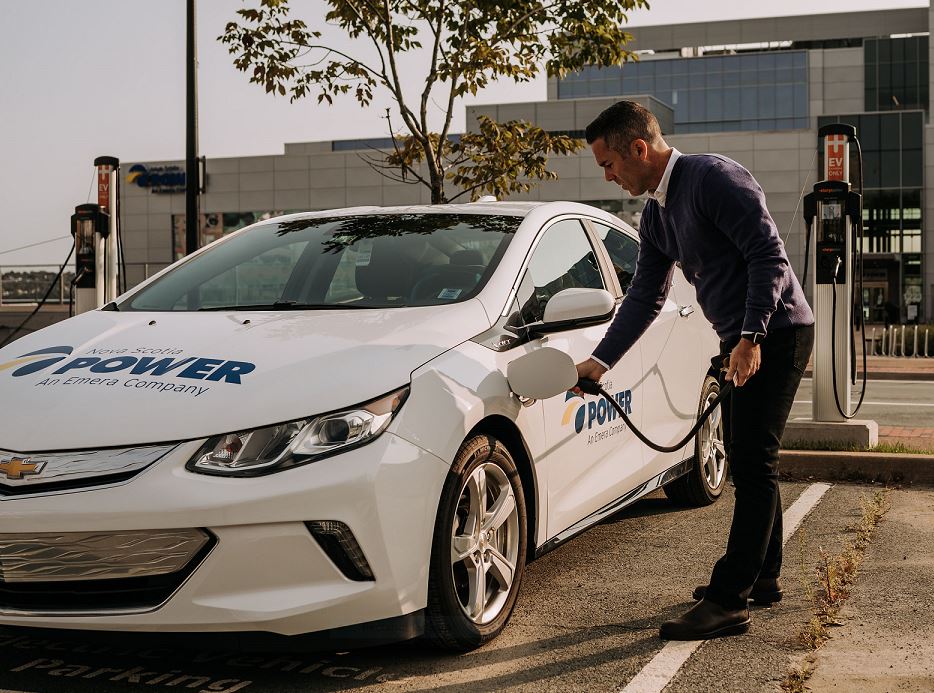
100 571
43 472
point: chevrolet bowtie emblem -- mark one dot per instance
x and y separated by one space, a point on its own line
17 467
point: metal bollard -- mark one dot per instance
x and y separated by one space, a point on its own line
926 352
903 341
914 350
872 341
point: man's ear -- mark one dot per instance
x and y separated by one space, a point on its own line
639 148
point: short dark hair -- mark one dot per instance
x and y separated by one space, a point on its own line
622 123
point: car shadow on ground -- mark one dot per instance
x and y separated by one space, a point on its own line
57 660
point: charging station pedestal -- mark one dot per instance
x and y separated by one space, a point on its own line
95 228
833 213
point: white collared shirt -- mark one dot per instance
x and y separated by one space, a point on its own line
661 192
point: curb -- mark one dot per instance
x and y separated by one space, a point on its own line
878 467
889 375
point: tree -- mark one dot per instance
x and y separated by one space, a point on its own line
469 43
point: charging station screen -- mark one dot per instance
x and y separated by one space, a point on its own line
832 226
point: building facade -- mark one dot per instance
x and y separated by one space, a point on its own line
753 90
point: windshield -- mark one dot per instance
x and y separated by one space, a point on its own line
373 261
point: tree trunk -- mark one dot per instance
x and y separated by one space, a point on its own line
435 175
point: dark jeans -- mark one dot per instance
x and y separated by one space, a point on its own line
754 421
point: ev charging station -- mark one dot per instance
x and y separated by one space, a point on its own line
95 228
833 217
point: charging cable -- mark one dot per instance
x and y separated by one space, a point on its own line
833 350
592 387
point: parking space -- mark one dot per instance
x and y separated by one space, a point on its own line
587 619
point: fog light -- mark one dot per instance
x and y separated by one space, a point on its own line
340 545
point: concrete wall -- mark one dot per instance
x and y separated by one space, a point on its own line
836 81
309 176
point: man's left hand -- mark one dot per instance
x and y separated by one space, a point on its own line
745 360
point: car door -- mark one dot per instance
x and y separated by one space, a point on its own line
590 454
670 349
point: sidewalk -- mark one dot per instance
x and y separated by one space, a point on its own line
920 438
886 642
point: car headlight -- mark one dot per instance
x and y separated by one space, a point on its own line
283 446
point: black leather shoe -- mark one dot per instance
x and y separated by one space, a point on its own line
765 591
706 620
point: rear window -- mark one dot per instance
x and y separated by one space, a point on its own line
372 261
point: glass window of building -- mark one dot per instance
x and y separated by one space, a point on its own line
896 73
752 91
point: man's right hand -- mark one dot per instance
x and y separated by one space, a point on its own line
591 370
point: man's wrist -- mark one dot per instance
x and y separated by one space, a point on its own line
599 362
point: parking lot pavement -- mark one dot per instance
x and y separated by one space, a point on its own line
587 619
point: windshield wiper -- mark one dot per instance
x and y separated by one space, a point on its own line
287 305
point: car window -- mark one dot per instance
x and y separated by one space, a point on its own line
563 259
623 252
258 280
365 261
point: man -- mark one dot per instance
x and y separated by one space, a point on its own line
708 213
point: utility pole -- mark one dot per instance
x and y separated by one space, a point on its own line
192 173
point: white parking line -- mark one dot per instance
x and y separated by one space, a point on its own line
659 672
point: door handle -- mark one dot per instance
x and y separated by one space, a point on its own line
685 311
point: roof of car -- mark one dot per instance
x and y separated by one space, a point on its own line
508 208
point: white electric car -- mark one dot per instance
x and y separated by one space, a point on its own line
306 427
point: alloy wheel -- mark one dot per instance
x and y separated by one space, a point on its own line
485 543
712 448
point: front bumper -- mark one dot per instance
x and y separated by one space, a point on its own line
265 572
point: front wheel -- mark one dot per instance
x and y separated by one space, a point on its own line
704 483
479 548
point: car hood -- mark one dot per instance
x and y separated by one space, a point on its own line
106 379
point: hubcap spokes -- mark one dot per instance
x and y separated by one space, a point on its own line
712 449
485 543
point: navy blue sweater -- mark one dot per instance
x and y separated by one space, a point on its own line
715 223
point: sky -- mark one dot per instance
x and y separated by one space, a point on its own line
107 77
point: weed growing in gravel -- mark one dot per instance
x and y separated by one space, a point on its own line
835 576
795 679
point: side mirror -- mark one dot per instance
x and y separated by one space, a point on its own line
576 308
542 373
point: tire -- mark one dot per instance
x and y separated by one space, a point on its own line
460 617
704 484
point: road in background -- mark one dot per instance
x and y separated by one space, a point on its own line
889 402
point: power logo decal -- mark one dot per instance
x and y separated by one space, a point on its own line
161 373
35 361
594 412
